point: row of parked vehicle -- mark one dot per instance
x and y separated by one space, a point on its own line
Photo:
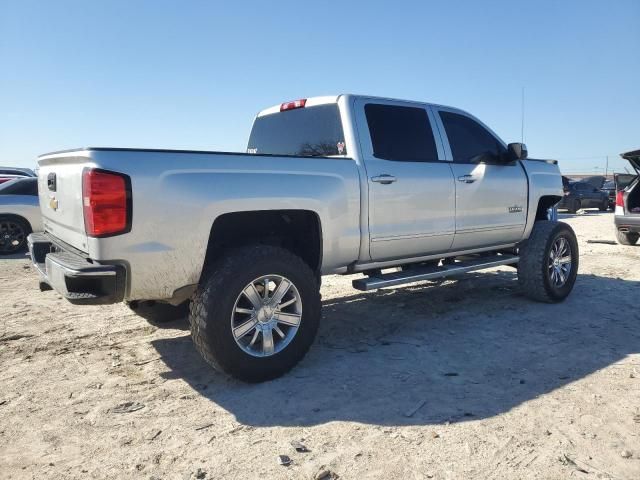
19 208
593 192
622 195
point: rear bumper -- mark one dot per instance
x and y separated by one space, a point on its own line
627 223
79 279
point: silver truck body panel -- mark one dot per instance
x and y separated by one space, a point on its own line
66 220
178 196
544 180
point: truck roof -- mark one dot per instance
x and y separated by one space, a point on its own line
322 100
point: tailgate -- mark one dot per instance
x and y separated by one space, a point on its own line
60 193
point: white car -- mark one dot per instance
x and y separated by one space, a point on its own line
19 213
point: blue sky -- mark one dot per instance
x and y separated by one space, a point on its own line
192 74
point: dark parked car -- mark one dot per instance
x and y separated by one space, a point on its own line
609 188
579 195
627 213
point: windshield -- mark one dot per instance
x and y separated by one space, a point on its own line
307 132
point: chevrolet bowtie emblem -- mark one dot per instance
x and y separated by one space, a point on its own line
53 203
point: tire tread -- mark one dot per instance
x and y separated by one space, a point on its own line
531 275
212 285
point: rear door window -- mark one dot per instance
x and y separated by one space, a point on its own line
308 132
470 142
400 133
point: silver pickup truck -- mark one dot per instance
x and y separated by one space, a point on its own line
394 191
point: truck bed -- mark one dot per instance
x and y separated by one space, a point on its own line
177 195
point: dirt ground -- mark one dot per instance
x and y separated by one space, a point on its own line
448 380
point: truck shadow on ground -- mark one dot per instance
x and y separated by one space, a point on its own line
460 350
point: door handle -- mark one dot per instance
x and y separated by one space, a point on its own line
384 179
466 179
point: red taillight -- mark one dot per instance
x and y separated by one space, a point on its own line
620 199
105 203
2 180
291 105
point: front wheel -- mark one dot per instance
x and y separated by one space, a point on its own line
255 313
604 206
548 263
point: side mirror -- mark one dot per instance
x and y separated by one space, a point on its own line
517 151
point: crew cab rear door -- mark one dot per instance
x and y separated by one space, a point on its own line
491 195
410 188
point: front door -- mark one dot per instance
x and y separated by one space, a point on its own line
491 194
411 190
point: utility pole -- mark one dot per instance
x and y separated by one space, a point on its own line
522 119
606 168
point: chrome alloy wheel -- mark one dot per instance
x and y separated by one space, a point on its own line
266 315
559 265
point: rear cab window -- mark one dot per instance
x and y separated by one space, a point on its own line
308 132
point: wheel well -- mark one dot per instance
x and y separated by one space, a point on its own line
544 204
298 231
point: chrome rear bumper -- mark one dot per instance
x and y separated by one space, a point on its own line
77 278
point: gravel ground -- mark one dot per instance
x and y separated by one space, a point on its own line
457 379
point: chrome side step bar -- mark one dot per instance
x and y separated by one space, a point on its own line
429 273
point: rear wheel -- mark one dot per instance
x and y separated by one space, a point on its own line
13 235
627 238
575 206
256 313
604 206
548 263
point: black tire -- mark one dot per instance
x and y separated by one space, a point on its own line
627 238
215 299
534 268
604 206
158 312
575 206
13 229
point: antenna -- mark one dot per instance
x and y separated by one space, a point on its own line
522 120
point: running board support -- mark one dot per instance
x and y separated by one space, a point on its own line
465 265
